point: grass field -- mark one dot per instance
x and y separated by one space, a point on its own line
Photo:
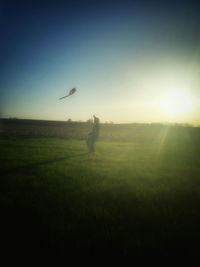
129 198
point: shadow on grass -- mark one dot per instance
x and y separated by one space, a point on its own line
33 166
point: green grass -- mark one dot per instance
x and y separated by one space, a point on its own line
127 199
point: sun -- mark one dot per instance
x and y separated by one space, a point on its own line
177 103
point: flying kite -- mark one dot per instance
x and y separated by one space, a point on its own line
71 92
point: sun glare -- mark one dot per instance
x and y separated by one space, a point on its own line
177 103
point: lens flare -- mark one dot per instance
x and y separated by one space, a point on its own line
177 103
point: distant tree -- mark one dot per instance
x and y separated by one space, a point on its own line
69 120
187 125
13 118
90 121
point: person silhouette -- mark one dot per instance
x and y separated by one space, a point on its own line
93 135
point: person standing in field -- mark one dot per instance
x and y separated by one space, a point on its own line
93 135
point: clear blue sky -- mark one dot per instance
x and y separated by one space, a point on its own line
124 57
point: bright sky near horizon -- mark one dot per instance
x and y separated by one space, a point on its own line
131 61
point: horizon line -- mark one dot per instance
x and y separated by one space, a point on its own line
105 122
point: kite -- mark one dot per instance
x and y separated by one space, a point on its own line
71 92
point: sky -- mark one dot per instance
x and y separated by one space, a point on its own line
131 61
